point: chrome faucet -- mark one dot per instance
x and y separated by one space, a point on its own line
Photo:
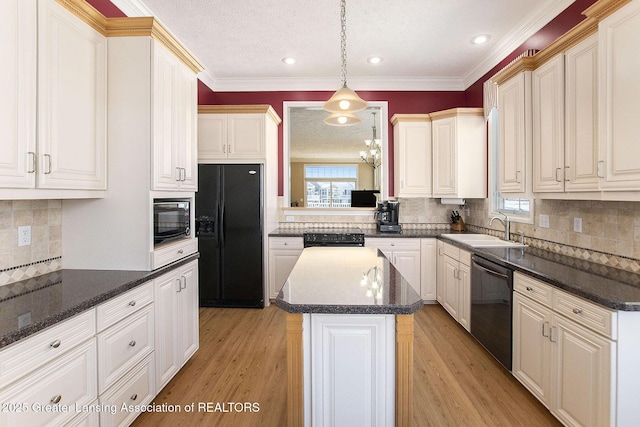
507 225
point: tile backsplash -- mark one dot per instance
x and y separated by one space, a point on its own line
44 253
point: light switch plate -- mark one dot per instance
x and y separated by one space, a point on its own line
577 225
544 221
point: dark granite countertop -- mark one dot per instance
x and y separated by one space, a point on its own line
54 297
410 233
610 287
330 280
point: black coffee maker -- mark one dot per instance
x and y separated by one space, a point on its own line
387 215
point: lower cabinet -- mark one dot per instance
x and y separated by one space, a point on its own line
570 368
428 269
283 255
454 282
404 254
176 310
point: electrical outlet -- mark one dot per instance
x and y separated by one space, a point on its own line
577 225
24 235
289 218
24 320
544 221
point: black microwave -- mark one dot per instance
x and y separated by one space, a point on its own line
171 220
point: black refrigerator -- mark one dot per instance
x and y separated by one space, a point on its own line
229 221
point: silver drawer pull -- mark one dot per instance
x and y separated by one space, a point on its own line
56 399
180 251
577 311
132 303
132 343
134 397
529 289
55 344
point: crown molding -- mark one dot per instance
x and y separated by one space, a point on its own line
132 8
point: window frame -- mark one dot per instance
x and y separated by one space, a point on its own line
331 180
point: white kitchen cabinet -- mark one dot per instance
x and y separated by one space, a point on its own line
514 133
64 148
175 102
548 126
283 255
237 133
454 283
459 153
404 254
619 93
569 367
428 269
176 313
581 117
440 272
412 155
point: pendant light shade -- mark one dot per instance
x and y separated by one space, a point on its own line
342 119
344 100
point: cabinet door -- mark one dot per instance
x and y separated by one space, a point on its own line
408 264
212 136
18 88
428 269
531 347
188 317
444 157
440 272
619 93
164 145
413 150
246 136
464 303
166 321
451 287
72 78
548 126
186 120
512 134
581 121
281 263
581 375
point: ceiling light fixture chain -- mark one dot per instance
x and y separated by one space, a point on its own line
343 40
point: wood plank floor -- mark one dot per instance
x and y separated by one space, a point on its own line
242 358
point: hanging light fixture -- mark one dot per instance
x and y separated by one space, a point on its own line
345 102
372 156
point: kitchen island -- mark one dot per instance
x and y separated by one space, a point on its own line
349 339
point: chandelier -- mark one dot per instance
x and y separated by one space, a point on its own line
345 102
373 154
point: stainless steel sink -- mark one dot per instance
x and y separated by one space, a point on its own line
482 241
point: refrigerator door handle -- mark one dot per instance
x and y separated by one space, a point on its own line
221 227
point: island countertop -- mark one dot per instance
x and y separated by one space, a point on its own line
347 280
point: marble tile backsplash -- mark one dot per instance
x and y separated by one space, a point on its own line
44 253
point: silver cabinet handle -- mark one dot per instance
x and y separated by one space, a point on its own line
56 399
529 289
180 252
48 170
551 334
600 172
132 303
558 170
543 329
134 397
183 283
518 176
33 162
566 173
577 311
55 344
230 148
132 343
179 284
178 178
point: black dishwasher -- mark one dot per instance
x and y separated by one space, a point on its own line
491 301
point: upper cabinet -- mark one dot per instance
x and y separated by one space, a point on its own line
54 137
514 132
619 94
412 155
459 153
237 133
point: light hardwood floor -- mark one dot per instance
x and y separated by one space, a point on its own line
242 358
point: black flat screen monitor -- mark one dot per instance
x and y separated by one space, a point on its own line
364 198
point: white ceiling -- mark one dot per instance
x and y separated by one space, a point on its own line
425 43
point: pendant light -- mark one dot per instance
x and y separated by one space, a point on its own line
345 102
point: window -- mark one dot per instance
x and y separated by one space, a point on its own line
518 209
329 186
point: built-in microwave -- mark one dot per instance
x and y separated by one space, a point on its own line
171 220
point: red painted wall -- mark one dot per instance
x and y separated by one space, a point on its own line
107 8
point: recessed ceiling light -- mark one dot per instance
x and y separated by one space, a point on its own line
480 39
289 60
374 60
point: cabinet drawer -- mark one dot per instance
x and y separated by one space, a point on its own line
137 387
533 288
70 381
25 356
173 252
391 244
285 243
465 257
586 313
451 251
123 345
120 307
